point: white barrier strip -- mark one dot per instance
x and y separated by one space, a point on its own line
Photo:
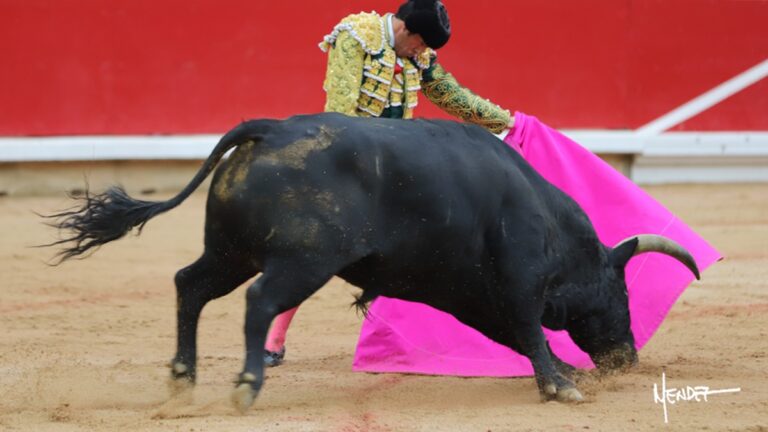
743 143
190 147
95 148
706 100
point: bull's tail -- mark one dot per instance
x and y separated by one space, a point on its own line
110 215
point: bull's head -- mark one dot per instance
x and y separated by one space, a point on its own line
602 330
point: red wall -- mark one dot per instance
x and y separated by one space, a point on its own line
200 66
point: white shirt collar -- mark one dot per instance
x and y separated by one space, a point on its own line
390 30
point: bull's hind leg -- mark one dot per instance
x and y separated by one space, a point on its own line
206 279
281 287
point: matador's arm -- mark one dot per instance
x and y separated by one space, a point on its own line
344 75
444 91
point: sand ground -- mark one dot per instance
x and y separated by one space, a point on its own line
84 346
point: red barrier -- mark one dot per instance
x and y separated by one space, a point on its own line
200 66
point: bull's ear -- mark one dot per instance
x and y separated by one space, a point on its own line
621 254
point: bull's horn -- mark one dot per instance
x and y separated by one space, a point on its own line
657 243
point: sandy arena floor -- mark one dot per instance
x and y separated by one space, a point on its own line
84 346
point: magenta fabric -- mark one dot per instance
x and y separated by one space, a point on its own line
400 336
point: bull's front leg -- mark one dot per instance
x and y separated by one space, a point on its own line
552 384
564 368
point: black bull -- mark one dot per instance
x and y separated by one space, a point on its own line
430 211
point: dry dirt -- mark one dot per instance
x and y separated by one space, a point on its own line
84 346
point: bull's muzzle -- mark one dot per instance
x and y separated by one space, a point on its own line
620 358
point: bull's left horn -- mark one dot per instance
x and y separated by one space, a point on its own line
661 244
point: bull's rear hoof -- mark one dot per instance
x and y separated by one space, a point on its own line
180 371
569 395
242 397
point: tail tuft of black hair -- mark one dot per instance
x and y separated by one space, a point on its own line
100 219
108 216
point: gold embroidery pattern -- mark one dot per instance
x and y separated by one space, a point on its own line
344 74
426 58
444 91
412 80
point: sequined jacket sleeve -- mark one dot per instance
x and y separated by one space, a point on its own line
344 75
443 90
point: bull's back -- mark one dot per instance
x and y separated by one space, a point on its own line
379 185
438 173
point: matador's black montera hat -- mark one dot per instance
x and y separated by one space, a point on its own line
427 18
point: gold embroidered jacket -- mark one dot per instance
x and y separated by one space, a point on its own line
361 78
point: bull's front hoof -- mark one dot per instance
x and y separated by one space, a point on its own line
569 395
561 389
550 392
242 397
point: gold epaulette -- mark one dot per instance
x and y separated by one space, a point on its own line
367 28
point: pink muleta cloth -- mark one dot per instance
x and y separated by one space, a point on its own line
407 337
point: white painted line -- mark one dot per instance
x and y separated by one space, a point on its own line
706 100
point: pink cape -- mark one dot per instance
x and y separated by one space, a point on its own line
400 336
